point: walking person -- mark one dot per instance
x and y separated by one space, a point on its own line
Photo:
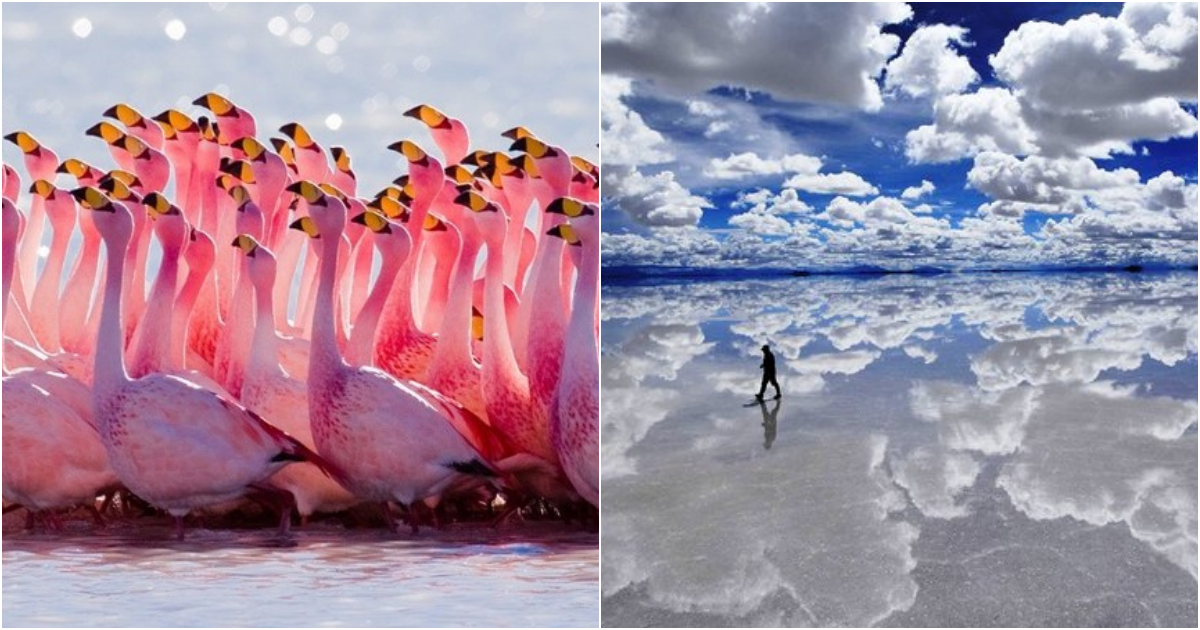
768 368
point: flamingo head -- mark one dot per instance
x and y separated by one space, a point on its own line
326 213
128 116
174 122
169 223
392 241
111 218
260 262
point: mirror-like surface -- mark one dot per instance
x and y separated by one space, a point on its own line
977 450
536 575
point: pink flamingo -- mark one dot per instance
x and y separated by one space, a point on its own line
505 388
310 157
53 457
575 429
450 134
401 348
60 208
181 138
394 245
453 371
12 183
234 122
151 425
393 444
138 125
199 257
280 398
40 163
84 173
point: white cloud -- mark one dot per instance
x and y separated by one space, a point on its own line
772 48
966 124
1092 87
749 164
930 65
654 200
1058 183
627 139
1095 62
916 192
844 183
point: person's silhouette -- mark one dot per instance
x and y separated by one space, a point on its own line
770 421
768 368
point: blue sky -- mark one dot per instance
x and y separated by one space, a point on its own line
833 136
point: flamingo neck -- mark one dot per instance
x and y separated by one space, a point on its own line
498 354
362 335
152 349
325 357
183 312
77 294
581 331
264 349
454 339
109 362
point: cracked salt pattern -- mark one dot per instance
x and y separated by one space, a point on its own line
980 450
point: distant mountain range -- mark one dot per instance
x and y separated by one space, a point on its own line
639 272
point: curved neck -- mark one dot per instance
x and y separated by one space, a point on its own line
324 356
360 350
497 345
454 339
264 349
109 361
152 348
77 295
581 331
183 313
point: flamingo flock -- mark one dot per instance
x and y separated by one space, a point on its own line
299 345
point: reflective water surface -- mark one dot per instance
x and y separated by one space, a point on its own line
531 575
981 450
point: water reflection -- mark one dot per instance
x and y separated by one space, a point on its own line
538 576
976 450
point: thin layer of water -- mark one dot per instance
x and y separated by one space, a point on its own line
955 451
528 575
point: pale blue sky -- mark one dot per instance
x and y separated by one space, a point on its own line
492 65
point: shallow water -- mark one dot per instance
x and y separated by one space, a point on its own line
981 450
528 575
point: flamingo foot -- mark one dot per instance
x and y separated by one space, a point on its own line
179 528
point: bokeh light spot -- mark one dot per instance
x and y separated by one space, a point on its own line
335 65
277 25
300 36
422 63
82 27
305 12
340 31
175 29
333 121
327 45
491 120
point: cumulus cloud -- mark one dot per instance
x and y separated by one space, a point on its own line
1055 183
771 48
844 183
749 164
966 124
1091 86
627 139
1095 62
805 169
654 200
916 192
930 65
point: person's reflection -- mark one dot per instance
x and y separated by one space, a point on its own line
770 419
